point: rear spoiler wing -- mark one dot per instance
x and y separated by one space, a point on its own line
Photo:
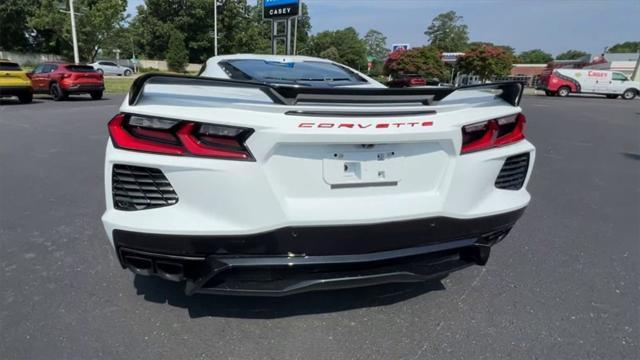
510 91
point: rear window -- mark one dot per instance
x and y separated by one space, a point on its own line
305 72
80 68
8 66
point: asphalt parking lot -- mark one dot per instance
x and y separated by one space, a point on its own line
564 284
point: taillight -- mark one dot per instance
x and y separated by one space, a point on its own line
182 138
489 134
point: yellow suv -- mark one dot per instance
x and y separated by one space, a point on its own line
14 82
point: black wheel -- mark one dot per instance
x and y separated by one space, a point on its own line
564 91
96 95
127 73
629 94
57 93
26 98
101 71
612 96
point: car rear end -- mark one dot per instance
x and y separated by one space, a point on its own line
14 82
544 80
416 81
78 79
234 193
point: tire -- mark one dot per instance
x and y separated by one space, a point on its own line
127 73
612 96
96 95
101 71
629 94
564 91
26 98
57 93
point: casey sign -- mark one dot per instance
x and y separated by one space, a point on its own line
280 8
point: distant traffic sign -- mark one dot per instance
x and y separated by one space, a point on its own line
451 57
395 47
281 8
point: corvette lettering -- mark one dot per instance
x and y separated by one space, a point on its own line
327 125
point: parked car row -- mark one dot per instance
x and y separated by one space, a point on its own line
411 80
111 68
57 79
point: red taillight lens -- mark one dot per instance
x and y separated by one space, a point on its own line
173 137
492 133
127 136
221 144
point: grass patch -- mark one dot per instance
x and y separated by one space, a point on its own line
118 85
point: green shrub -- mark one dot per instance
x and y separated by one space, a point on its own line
177 55
147 69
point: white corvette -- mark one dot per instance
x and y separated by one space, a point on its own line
274 175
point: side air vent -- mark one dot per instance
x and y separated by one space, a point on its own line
513 172
139 188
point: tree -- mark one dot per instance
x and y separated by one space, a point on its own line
535 56
177 55
447 33
486 61
123 40
508 49
571 55
14 31
423 60
376 44
351 49
241 28
97 20
331 54
625 47
158 19
238 31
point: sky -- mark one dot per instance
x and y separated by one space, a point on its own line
554 26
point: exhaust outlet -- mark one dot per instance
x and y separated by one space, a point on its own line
478 254
170 270
138 265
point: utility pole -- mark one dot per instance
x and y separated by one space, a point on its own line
295 36
76 57
215 27
636 72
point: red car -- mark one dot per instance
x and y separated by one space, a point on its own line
61 80
407 80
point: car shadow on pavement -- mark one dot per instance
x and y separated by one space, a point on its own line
630 155
161 291
11 102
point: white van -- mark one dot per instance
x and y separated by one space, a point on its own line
562 82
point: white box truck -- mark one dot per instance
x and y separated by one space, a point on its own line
563 82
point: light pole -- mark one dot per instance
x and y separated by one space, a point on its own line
216 3
76 57
295 30
74 37
215 27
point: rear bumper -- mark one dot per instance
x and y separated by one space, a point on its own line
74 89
293 260
15 90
